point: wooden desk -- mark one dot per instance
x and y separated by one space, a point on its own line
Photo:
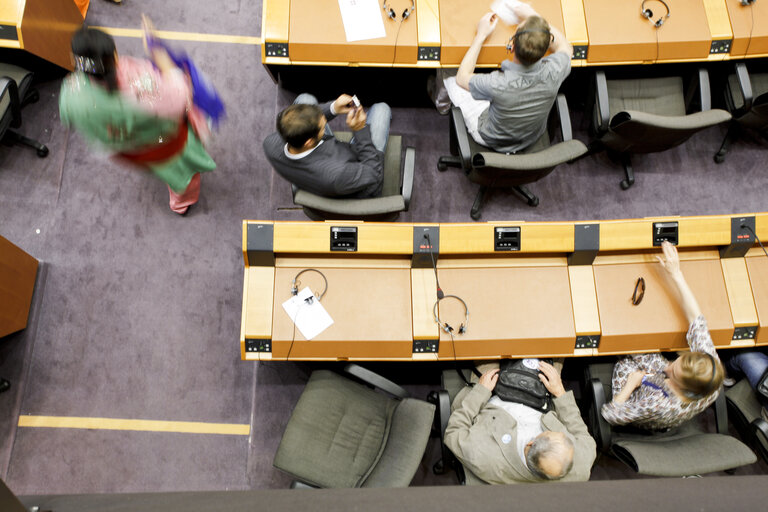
757 267
41 27
658 322
18 271
750 28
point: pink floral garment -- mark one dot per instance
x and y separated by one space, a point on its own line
653 405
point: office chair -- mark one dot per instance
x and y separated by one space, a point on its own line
745 409
682 451
345 434
15 93
395 195
489 169
746 97
647 115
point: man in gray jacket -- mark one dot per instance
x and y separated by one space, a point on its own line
305 152
503 442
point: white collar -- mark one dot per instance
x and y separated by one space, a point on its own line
301 155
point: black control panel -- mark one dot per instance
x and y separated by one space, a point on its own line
584 341
254 345
744 333
580 52
664 231
429 53
344 238
8 32
276 49
425 346
721 46
506 239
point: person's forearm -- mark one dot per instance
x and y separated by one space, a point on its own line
560 43
687 300
467 66
623 395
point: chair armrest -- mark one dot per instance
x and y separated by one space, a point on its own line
564 116
745 84
760 428
460 137
705 94
376 380
7 84
367 206
603 429
294 191
408 169
601 101
297 484
721 413
550 157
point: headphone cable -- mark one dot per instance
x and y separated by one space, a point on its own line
744 226
440 293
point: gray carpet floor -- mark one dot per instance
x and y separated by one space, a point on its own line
137 310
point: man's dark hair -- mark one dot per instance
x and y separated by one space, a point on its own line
532 40
99 47
299 123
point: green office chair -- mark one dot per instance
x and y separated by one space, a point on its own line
745 409
647 115
395 195
15 93
346 434
682 451
746 97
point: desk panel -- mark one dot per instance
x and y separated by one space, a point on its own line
618 33
458 25
513 312
658 322
750 28
757 267
370 307
316 35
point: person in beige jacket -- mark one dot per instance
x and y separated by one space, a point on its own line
503 442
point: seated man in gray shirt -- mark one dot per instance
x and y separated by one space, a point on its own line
305 152
507 110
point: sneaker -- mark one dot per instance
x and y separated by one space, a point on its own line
728 382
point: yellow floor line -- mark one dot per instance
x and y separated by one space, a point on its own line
185 427
183 36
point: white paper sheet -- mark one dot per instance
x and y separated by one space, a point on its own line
362 19
310 316
504 9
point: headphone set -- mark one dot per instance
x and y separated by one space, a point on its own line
699 396
391 12
514 37
647 13
295 286
444 325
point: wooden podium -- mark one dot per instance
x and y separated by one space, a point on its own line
17 283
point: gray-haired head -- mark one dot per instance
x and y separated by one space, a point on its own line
550 455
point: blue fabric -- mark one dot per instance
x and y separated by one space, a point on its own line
204 95
752 365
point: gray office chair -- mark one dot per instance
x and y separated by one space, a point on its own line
489 169
746 97
682 451
15 93
345 434
452 384
647 115
745 409
395 195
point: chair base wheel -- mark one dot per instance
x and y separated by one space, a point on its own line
625 184
441 166
718 158
533 202
42 152
475 215
439 468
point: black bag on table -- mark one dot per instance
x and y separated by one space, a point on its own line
520 384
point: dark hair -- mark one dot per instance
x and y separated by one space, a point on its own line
98 47
299 123
532 40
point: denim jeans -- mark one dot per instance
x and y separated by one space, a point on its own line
378 120
750 364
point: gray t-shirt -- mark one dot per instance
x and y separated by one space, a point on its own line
521 98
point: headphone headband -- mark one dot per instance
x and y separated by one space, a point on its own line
445 326
647 13
391 12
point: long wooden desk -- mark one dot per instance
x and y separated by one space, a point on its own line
438 33
532 289
18 271
41 27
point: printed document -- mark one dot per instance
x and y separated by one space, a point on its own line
362 19
504 9
307 313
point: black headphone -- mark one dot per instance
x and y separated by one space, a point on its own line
647 13
747 2
513 38
699 396
444 325
295 285
391 12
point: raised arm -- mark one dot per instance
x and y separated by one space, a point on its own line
671 263
485 28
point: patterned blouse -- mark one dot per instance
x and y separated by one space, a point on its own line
654 405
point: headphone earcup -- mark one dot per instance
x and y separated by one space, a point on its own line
648 13
294 290
462 329
392 14
659 22
406 13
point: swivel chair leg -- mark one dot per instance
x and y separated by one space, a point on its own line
530 197
629 174
448 161
478 204
730 136
12 137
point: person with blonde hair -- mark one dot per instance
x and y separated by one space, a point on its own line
652 393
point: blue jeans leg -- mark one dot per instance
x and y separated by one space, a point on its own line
752 365
378 119
309 99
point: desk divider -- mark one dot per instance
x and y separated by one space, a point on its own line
741 300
